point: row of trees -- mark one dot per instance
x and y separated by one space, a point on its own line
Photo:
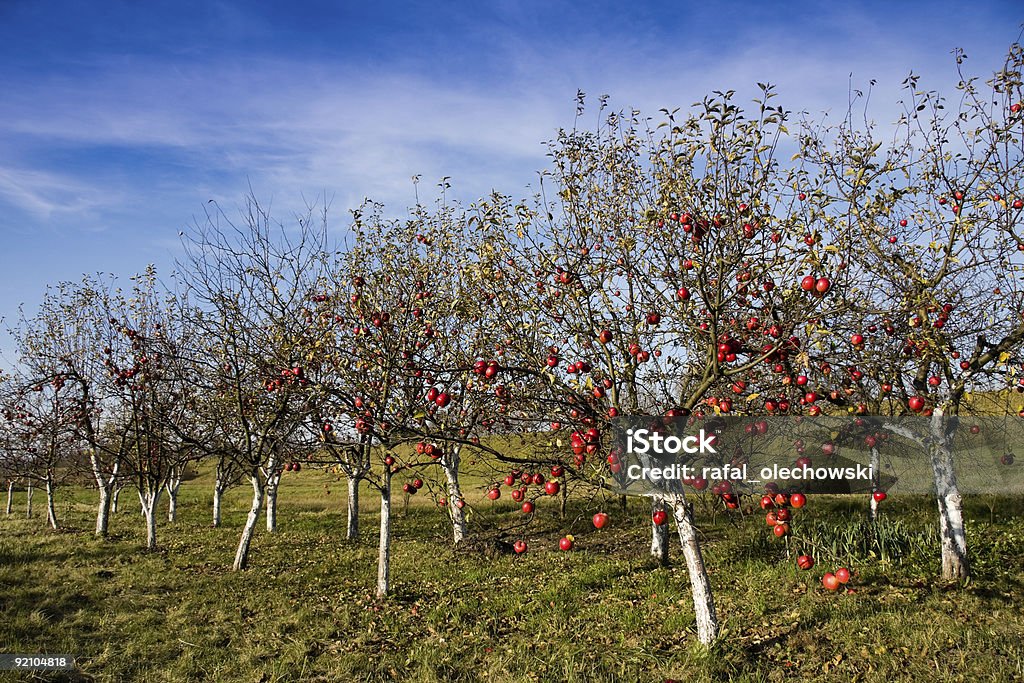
684 269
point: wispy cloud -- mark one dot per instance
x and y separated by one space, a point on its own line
43 193
135 142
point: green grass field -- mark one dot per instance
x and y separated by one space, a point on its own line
306 611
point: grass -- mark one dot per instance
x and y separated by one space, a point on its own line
305 610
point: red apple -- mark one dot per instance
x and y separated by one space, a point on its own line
551 488
879 496
600 519
830 582
842 575
565 543
494 493
659 517
805 562
798 500
519 547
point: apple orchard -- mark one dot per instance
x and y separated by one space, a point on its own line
725 261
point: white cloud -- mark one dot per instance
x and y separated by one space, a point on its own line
43 193
294 128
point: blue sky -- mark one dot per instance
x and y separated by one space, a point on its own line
119 120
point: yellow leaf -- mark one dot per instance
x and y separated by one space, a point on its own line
752 397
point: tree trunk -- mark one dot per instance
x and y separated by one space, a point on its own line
149 501
952 536
172 486
272 485
115 498
51 510
659 533
106 484
384 548
700 584
352 533
10 497
242 554
28 503
218 491
450 465
103 512
623 502
876 478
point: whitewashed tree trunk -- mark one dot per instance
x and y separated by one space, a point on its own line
149 501
242 554
51 509
659 533
106 484
28 503
352 532
218 492
700 583
384 547
103 513
272 487
450 465
10 497
172 486
952 535
115 499
875 467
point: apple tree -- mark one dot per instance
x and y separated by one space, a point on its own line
671 278
933 208
248 282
